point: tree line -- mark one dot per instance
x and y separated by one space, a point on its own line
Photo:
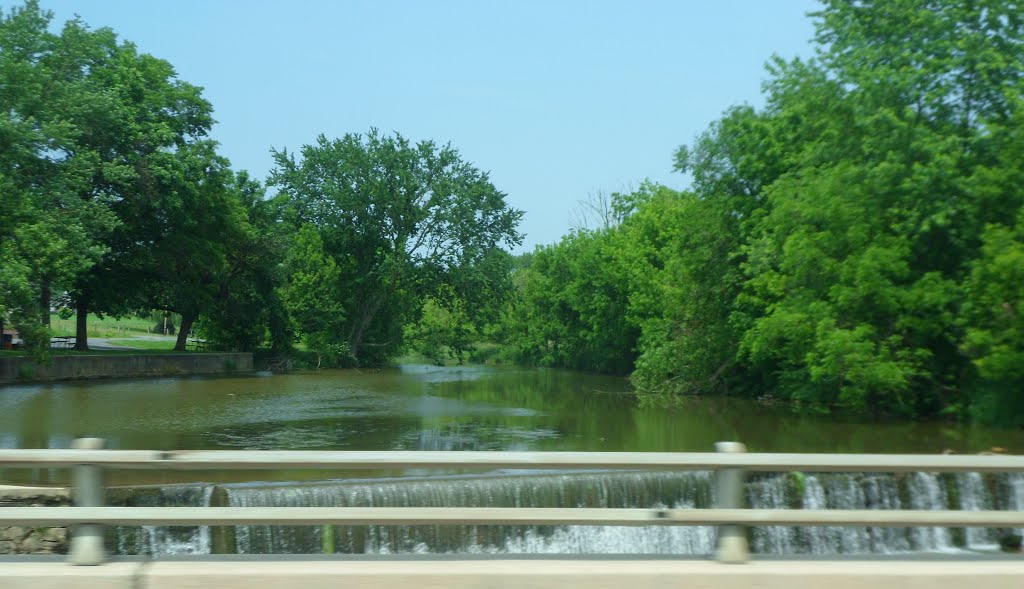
115 201
857 243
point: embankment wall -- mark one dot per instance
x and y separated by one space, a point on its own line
85 366
28 540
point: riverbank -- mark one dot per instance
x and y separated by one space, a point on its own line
82 366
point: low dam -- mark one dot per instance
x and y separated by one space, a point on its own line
686 490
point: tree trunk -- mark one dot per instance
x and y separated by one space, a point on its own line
81 336
44 304
187 319
356 339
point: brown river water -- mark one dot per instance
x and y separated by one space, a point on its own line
416 407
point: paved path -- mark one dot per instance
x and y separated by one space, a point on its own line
106 343
102 343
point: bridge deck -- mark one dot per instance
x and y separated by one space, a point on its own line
515 573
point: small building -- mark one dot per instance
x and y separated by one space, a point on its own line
9 339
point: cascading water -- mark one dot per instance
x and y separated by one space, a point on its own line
974 497
160 539
968 491
1017 496
927 492
583 490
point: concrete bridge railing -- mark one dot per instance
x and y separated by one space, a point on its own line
88 459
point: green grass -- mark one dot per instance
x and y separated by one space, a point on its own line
143 344
106 327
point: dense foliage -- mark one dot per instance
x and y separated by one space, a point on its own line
383 226
114 201
854 244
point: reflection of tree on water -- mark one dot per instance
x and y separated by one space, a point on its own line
476 435
471 408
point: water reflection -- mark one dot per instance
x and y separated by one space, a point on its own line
429 408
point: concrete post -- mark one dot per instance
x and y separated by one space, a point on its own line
732 540
87 491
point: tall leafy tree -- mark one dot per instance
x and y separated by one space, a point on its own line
855 261
572 306
118 198
247 309
681 256
995 317
51 234
850 245
402 221
198 217
993 310
312 295
146 141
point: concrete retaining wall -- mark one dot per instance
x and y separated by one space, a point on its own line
20 369
27 540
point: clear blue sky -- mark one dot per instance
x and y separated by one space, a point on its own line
557 99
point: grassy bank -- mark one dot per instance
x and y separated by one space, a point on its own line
144 343
105 327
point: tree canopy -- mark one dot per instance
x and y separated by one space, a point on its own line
117 202
850 245
114 199
383 225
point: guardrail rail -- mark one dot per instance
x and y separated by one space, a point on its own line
730 462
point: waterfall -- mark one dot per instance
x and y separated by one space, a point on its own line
770 493
578 490
679 490
1012 490
159 540
925 492
974 497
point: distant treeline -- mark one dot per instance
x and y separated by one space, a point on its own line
858 243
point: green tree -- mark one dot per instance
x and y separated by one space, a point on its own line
147 135
311 295
100 145
995 332
402 222
841 247
442 333
571 309
680 253
51 234
854 261
198 217
247 310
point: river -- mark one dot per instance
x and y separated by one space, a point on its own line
418 407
